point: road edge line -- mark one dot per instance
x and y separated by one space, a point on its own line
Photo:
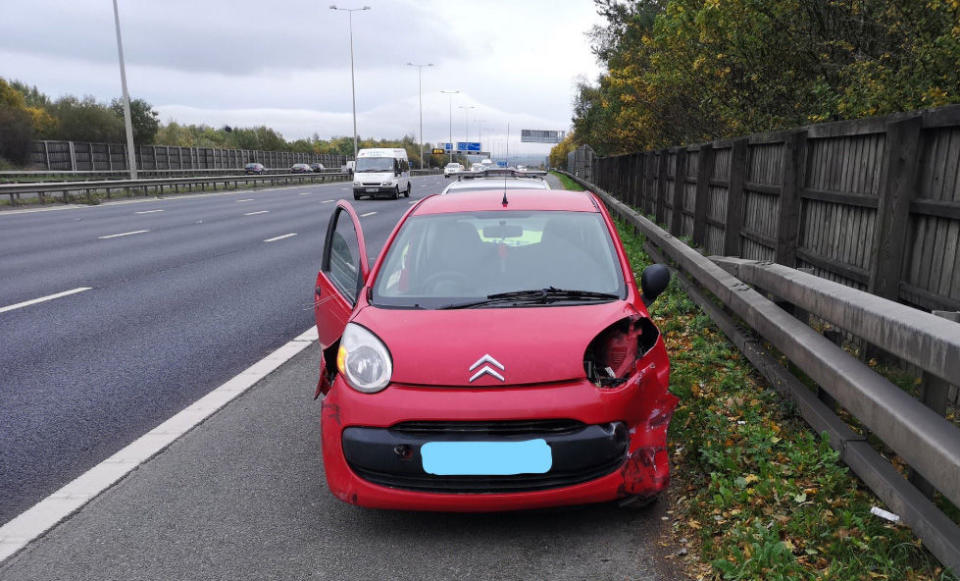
42 517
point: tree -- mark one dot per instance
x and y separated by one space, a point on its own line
682 71
16 125
16 135
145 121
86 120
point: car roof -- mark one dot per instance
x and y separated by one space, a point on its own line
492 200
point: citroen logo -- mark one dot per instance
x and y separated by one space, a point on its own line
486 369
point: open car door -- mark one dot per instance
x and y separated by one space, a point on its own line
343 271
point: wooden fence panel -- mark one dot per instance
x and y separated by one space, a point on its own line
872 203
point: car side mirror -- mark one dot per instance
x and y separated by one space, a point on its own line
653 281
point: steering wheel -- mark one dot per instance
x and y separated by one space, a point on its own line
444 275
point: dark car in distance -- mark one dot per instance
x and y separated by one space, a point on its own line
300 168
254 168
317 167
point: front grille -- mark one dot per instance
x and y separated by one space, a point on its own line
486 484
392 456
371 183
501 428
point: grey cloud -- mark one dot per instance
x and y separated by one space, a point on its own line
232 37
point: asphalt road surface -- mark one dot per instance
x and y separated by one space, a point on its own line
183 293
243 496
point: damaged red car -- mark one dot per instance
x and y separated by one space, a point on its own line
498 356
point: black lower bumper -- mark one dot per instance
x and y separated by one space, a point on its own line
391 456
375 191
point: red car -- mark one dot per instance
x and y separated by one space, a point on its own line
498 356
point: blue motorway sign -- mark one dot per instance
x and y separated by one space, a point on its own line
501 164
447 146
468 146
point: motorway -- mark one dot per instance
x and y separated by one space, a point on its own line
175 311
184 292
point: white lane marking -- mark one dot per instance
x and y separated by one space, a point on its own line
255 213
44 299
306 193
245 200
122 234
328 201
43 516
148 212
275 238
367 214
413 202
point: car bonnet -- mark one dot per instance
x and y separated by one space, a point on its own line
528 345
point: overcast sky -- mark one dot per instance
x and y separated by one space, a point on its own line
286 64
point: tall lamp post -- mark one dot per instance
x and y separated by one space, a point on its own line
451 94
420 80
131 154
353 83
466 121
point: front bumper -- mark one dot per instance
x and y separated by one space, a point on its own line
611 443
374 190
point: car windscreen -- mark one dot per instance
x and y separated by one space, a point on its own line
374 164
447 259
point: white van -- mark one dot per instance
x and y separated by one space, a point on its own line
381 171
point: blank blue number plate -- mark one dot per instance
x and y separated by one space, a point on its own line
486 458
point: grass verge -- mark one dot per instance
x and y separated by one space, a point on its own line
568 184
759 493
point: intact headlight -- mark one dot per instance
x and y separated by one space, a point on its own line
363 360
389 183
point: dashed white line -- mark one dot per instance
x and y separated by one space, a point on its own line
413 202
255 213
44 299
246 200
306 193
327 201
367 214
275 238
148 212
122 234
43 516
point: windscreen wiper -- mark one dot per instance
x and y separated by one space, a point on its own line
535 296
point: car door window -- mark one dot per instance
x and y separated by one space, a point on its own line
342 264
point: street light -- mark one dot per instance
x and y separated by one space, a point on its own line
353 83
420 80
451 93
131 154
466 121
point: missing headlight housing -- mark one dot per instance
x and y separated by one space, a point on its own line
611 357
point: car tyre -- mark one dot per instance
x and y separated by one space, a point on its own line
356 196
638 503
396 193
409 189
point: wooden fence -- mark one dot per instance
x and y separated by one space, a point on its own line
84 156
873 204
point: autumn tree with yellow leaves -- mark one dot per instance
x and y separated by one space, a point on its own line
685 71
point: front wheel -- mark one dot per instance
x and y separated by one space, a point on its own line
409 189
356 195
396 193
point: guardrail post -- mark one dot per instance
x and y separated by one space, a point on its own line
679 184
73 156
934 393
738 170
897 184
704 173
788 223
